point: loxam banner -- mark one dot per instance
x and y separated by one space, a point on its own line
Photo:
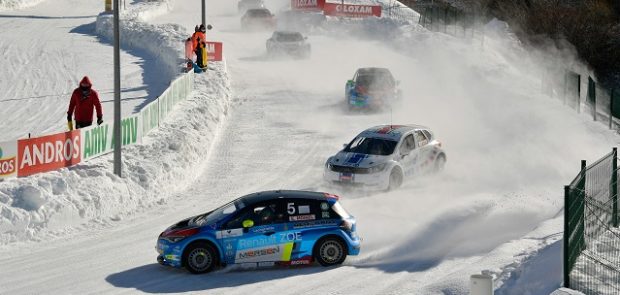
99 140
215 50
48 152
316 5
8 159
350 10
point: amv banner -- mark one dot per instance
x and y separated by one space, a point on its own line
99 140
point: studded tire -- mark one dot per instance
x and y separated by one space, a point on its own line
330 251
396 179
200 257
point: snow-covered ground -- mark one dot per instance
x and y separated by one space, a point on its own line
497 204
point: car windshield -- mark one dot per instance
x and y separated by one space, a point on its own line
371 146
289 37
218 213
259 13
373 80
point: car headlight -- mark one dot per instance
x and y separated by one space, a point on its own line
377 168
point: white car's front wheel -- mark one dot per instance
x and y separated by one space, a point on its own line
396 179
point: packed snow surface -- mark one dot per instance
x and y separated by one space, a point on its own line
497 203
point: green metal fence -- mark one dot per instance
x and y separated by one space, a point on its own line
591 233
441 17
602 103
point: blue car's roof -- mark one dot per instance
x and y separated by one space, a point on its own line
268 195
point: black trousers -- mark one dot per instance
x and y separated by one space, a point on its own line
79 124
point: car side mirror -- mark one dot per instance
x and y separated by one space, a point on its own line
344 145
209 27
248 223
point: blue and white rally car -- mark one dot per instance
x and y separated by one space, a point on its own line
265 228
382 156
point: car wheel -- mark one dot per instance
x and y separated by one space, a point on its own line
396 179
440 162
330 251
199 257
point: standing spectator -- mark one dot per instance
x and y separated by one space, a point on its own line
201 54
83 99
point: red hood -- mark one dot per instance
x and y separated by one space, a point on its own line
86 82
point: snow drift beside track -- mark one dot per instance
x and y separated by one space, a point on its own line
54 203
17 4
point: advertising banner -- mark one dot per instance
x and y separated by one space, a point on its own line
48 152
8 159
150 117
215 51
313 5
99 140
350 10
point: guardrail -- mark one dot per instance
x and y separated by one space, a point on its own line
29 156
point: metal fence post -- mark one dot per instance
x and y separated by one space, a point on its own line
579 94
582 189
567 231
611 107
566 73
614 187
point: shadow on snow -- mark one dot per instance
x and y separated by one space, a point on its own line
154 278
153 85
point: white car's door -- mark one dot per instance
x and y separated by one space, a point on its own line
425 152
408 154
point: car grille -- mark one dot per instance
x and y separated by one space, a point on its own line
346 169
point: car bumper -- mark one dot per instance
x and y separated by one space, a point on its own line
170 254
365 102
378 180
355 244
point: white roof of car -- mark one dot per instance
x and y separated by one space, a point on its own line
393 132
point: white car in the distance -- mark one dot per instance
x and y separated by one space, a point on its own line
382 156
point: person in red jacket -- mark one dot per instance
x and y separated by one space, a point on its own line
83 99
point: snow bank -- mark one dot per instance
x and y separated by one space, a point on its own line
164 43
17 4
50 204
55 203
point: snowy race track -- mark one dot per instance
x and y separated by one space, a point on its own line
509 149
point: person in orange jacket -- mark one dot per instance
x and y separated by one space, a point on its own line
199 34
83 100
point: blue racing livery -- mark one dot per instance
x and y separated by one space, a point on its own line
266 228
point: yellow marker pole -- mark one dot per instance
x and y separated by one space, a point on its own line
108 5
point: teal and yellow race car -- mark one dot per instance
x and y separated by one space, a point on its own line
263 229
371 88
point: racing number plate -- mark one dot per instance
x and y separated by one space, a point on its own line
346 177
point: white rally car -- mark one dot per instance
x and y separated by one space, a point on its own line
382 156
